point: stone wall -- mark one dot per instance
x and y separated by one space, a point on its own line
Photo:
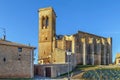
55 69
60 44
117 59
99 48
59 56
15 64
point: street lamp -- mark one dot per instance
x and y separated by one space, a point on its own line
68 54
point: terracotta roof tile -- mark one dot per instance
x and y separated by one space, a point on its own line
5 42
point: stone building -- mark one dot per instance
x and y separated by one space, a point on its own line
93 49
16 60
117 60
87 48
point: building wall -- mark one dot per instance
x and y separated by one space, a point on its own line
59 56
94 48
45 50
15 64
61 44
117 60
55 69
79 58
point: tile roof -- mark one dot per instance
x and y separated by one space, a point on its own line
9 43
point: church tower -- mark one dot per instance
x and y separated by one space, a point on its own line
47 33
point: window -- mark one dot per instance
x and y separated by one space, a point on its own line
19 49
43 22
46 22
4 59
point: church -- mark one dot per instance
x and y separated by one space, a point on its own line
85 48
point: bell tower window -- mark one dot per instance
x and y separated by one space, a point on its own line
43 22
47 22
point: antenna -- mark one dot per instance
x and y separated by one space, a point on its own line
4 33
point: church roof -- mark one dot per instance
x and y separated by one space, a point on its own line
9 43
90 34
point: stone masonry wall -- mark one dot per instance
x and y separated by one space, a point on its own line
15 64
59 56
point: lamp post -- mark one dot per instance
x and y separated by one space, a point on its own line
68 54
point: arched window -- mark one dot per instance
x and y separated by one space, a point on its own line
46 21
43 22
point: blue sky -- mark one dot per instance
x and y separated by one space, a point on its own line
100 17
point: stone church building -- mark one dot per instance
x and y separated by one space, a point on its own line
88 49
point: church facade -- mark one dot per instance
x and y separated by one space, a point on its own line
86 48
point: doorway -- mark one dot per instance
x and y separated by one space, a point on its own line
48 71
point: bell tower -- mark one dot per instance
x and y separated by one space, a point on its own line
47 33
